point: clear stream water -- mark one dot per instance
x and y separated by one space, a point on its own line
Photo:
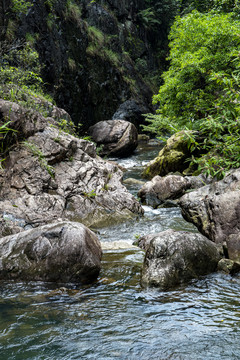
114 318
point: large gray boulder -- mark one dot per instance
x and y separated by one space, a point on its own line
215 208
60 252
175 257
115 137
53 175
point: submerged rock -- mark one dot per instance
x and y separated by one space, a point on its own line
115 137
133 181
53 175
59 252
175 257
172 158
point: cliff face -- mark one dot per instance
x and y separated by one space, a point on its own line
95 55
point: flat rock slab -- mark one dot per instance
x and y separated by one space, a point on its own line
59 252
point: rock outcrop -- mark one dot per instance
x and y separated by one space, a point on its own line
93 53
175 257
59 252
115 137
215 210
53 175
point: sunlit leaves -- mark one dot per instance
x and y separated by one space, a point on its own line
201 89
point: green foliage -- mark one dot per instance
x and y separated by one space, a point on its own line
148 18
137 236
95 35
20 79
99 149
227 6
216 5
159 14
201 88
73 12
201 47
20 6
99 46
68 127
4 143
90 195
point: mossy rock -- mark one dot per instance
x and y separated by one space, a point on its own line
172 158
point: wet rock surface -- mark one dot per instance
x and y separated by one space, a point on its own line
59 252
115 137
175 257
53 175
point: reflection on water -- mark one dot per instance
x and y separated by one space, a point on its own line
114 318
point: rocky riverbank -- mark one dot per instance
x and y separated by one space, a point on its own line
49 176
211 205
52 175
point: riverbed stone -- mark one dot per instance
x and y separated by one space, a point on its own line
133 181
175 257
114 137
161 189
228 266
58 252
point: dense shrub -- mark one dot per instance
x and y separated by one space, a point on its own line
201 88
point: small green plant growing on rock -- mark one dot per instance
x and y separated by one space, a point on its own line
5 130
41 157
68 127
90 195
99 149
73 12
106 187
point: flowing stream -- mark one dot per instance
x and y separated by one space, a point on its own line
114 318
